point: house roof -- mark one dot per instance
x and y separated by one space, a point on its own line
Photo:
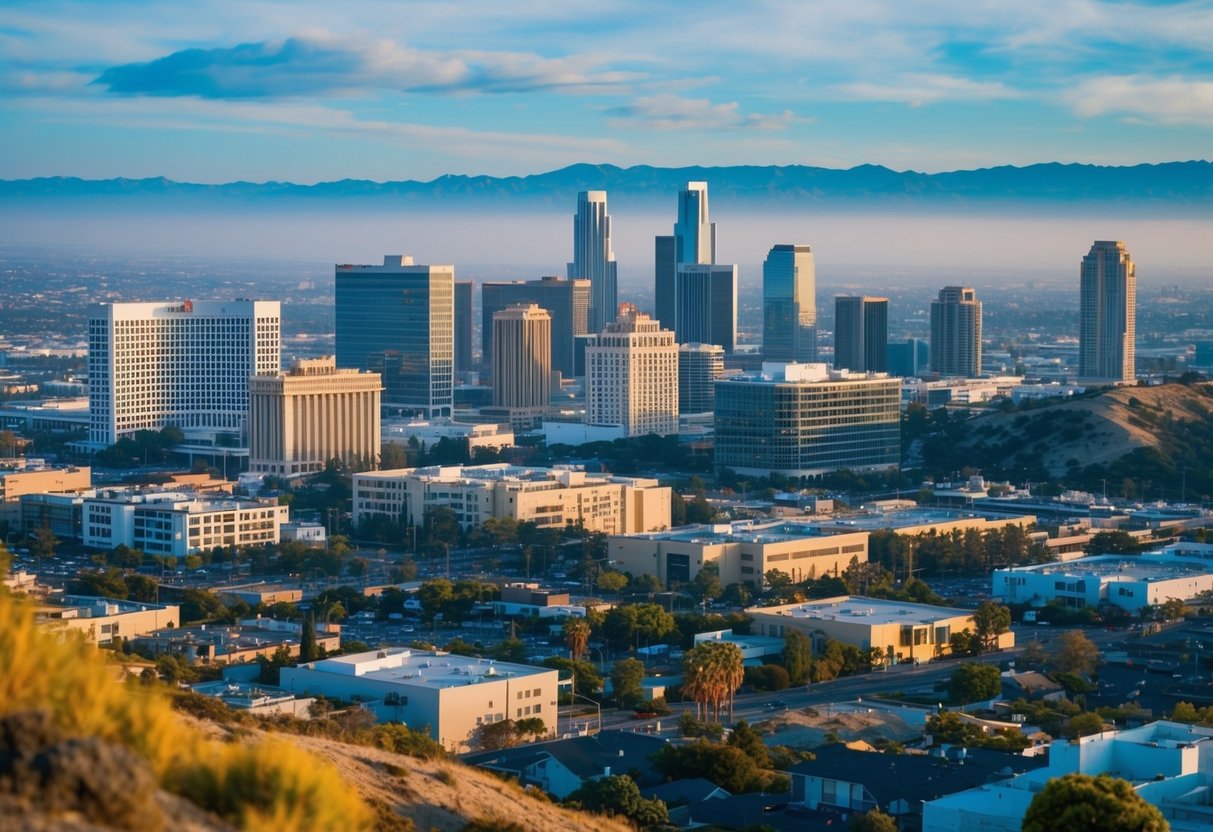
1033 682
914 777
773 810
685 791
621 751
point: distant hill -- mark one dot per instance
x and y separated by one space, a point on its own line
1146 434
1171 186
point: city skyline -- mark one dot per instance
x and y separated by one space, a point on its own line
311 92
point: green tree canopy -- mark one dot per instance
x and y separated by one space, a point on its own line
974 682
872 820
627 680
1073 652
1081 802
619 795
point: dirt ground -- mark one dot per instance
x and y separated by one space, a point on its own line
807 728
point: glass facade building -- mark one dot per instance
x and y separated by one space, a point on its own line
789 305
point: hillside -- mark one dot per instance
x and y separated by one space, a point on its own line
1146 434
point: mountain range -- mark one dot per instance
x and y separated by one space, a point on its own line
1176 186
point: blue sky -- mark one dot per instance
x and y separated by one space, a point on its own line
221 90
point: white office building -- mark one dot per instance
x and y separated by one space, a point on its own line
180 363
632 376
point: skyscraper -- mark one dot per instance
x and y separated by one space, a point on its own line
956 332
593 257
908 358
522 361
699 367
706 305
861 333
693 242
789 305
567 301
398 320
181 363
463 326
632 376
1108 309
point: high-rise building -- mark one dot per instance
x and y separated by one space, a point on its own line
801 420
956 332
861 333
181 363
522 361
313 413
632 376
789 305
908 358
699 367
398 320
707 305
567 301
593 257
1108 309
463 326
693 242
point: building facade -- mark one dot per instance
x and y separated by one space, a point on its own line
693 242
789 305
594 258
301 419
706 303
956 332
398 320
181 363
35 479
463 326
801 420
548 497
632 376
566 301
522 361
101 620
700 366
908 358
861 333
1108 313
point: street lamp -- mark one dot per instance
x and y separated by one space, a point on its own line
596 704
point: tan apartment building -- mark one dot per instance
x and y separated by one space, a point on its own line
548 497
631 376
742 551
101 620
522 363
313 413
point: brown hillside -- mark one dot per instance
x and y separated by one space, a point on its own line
1092 430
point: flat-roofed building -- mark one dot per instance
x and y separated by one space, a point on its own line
700 366
451 696
101 620
631 376
302 419
37 479
743 551
549 497
246 641
910 522
900 630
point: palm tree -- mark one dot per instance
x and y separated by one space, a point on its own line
576 636
712 673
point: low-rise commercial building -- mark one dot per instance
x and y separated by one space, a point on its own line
101 620
742 551
36 478
247 641
900 630
911 522
528 599
548 497
449 696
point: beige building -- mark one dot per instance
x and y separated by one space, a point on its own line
14 484
631 376
522 363
101 620
247 641
313 413
742 551
956 332
452 696
549 497
898 629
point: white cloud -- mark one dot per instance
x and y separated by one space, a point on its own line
1173 100
917 89
672 112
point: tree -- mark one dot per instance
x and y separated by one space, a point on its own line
1073 652
797 656
393 456
627 681
611 581
619 795
42 544
725 765
706 586
749 741
494 736
872 820
1080 801
309 651
711 673
990 620
585 676
974 682
576 633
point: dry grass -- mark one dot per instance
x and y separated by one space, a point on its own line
262 786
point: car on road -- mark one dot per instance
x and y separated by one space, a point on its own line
777 705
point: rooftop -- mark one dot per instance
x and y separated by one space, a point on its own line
904 518
860 610
1121 568
743 531
413 668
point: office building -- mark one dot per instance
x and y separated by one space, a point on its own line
522 362
861 333
34 478
463 326
632 376
693 242
699 368
1108 313
566 301
451 696
100 620
593 257
302 419
956 332
789 305
909 358
180 363
398 320
548 497
706 305
801 420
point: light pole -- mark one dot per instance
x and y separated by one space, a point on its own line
597 705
